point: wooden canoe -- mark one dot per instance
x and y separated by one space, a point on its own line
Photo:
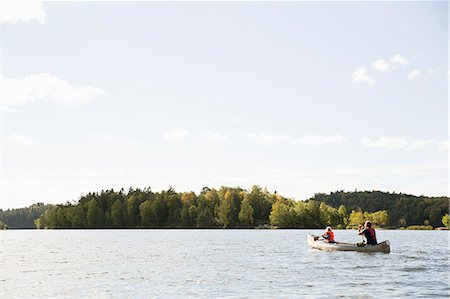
340 246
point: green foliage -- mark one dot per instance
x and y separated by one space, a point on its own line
445 220
23 217
420 227
94 215
3 225
146 214
230 208
75 214
413 209
378 218
117 214
282 215
246 213
343 215
132 206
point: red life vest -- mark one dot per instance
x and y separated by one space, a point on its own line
330 235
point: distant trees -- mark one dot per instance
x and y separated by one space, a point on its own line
23 217
403 209
313 214
378 219
226 207
230 208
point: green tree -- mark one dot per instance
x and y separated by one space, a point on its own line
5 226
77 216
95 214
117 214
132 211
246 213
159 211
445 220
343 215
145 211
312 210
174 207
187 214
380 218
228 209
282 215
108 220
328 215
355 218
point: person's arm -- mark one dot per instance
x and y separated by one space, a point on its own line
361 232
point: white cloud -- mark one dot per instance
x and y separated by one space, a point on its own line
419 145
393 63
381 65
268 139
444 145
360 76
102 137
44 86
415 73
321 140
15 11
390 143
176 134
21 139
214 137
399 60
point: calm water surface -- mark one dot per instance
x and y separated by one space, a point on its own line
218 263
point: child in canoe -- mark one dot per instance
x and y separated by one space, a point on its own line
369 233
329 235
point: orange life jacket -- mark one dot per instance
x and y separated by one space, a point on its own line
330 235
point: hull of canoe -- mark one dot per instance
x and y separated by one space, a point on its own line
381 247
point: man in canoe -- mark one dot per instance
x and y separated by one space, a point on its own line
368 232
329 235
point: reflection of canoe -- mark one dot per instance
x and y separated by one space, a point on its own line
340 246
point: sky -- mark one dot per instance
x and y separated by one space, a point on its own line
298 97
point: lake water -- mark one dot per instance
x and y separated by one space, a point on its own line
218 263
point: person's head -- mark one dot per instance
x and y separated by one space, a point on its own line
328 229
368 224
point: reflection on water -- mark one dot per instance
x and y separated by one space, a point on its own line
218 263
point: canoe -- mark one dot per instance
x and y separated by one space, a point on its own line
340 246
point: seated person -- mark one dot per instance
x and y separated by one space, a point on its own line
329 235
369 233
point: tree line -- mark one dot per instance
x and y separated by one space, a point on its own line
403 209
22 217
223 208
229 208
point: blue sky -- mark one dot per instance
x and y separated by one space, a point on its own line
298 97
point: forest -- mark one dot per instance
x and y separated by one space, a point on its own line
231 208
403 209
23 217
